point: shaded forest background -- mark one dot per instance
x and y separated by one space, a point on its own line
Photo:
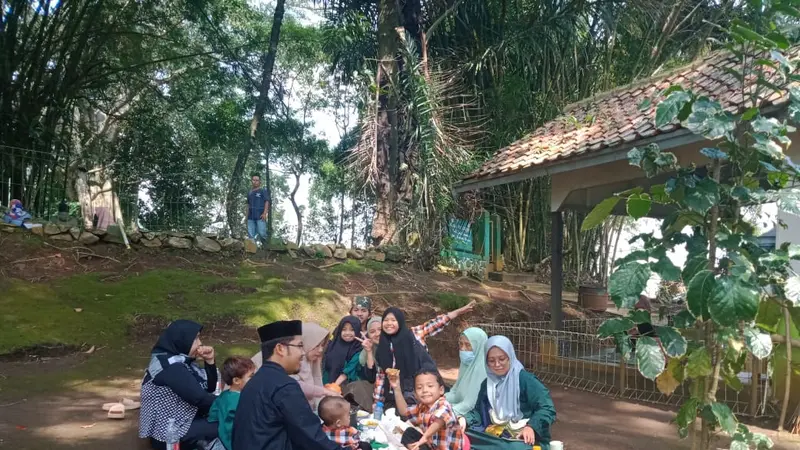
159 112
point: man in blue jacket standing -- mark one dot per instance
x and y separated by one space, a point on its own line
273 412
257 210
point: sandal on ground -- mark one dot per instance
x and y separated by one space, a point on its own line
116 411
129 404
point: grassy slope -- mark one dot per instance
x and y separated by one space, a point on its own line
45 313
112 309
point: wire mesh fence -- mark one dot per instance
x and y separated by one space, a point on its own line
35 178
581 360
53 188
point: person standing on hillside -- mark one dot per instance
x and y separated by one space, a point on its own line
257 210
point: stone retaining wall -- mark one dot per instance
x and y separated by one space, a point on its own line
204 242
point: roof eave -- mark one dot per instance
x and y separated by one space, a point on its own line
666 141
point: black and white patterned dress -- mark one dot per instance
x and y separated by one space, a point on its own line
160 403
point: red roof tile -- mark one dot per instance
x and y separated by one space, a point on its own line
614 118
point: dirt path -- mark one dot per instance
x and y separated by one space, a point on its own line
74 420
55 402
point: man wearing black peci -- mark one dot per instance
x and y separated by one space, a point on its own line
273 412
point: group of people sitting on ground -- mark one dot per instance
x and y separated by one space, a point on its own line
368 362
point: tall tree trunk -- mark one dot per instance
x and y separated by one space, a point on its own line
341 217
84 197
268 184
384 223
353 225
297 208
268 64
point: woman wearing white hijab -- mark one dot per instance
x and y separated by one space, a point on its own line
315 337
512 404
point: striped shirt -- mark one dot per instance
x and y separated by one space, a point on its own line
450 436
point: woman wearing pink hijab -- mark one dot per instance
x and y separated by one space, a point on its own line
315 337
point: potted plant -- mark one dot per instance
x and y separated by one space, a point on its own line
593 280
593 294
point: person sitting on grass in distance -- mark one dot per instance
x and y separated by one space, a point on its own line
432 413
236 372
335 415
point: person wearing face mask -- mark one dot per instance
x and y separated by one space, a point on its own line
471 372
175 387
514 409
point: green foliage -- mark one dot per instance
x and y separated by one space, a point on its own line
649 357
363 266
699 292
733 304
674 344
627 284
615 326
732 301
450 301
599 213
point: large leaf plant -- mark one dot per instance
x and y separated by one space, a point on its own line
737 291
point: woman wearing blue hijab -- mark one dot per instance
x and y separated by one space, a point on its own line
514 409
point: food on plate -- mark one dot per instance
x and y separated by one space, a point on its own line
371 423
362 414
334 387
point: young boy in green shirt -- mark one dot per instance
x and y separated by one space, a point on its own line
236 372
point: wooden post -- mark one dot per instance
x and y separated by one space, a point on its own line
487 237
623 375
755 383
556 271
498 244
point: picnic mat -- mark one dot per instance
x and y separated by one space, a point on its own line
483 441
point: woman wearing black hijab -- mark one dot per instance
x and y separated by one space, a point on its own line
340 364
175 387
398 349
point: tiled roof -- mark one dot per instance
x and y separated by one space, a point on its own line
615 118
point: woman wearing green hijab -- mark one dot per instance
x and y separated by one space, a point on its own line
471 372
